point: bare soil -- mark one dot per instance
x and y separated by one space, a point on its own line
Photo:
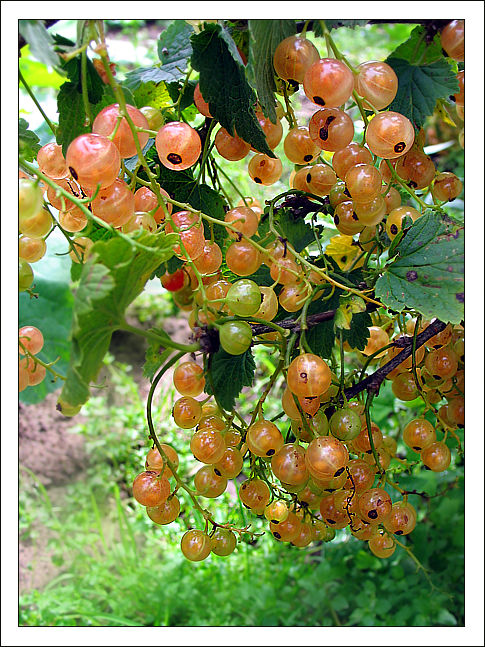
58 457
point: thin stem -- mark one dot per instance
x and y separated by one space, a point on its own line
37 360
368 402
420 567
32 96
154 436
84 86
164 341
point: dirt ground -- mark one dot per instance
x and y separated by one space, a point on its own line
57 457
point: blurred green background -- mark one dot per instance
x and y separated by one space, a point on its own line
107 564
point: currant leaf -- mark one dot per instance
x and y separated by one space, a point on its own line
427 274
224 86
228 375
113 275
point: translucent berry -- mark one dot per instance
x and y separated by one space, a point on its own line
146 200
209 483
223 542
150 489
255 494
155 463
331 129
453 39
375 505
326 457
30 198
382 545
264 438
32 340
115 204
328 83
230 147
416 169
436 456
188 379
345 158
265 170
244 220
377 82
166 512
200 103
346 219
320 179
235 337
187 412
178 145
242 258
293 56
446 187
93 159
402 519
419 434
195 545
308 375
231 462
389 135
299 147
394 221
51 161
106 121
364 182
288 465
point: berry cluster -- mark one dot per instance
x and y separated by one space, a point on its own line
332 466
331 476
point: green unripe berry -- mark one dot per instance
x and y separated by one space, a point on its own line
235 337
345 424
244 298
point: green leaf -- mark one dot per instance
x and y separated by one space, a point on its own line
424 77
416 49
28 142
228 375
420 86
264 37
358 334
187 100
224 86
94 85
152 94
174 48
172 265
114 274
72 116
40 41
261 276
51 312
295 230
446 619
184 188
155 356
174 51
321 338
427 273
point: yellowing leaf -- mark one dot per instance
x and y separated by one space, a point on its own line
344 252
